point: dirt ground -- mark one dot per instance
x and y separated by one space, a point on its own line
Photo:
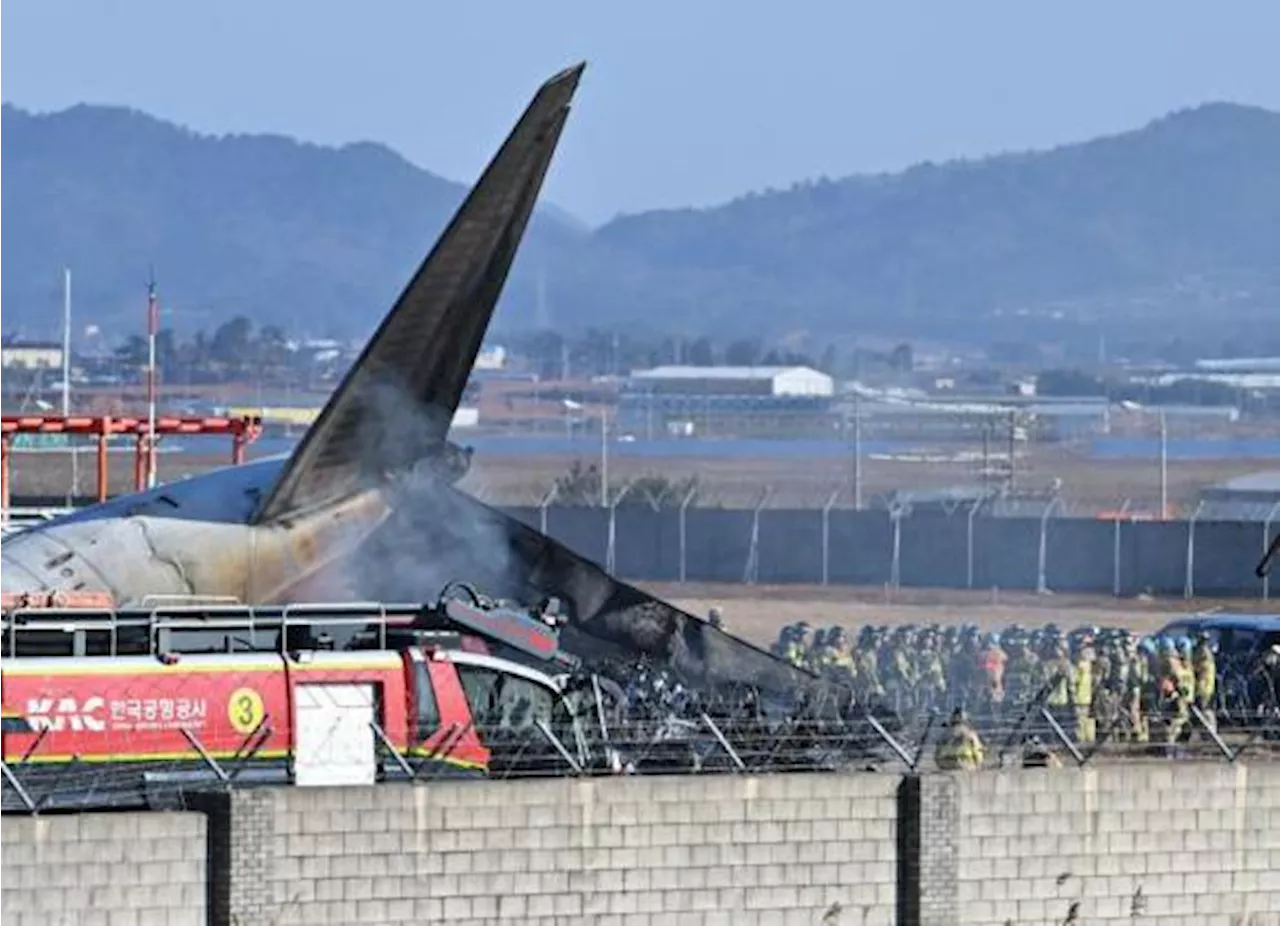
1087 486
758 612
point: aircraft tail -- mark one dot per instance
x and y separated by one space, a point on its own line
422 353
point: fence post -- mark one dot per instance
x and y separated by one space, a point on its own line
1042 565
545 504
1266 545
752 572
896 514
826 536
1189 589
968 542
684 506
1115 550
611 548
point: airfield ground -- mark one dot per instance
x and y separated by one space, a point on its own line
758 612
1087 486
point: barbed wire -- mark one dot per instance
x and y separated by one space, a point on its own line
723 735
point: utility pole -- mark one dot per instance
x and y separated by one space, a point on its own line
857 452
1013 448
66 342
66 379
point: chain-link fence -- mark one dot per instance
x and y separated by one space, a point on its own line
976 544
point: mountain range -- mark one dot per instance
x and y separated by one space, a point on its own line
1176 223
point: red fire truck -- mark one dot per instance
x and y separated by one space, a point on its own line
137 702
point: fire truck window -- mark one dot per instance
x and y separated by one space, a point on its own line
509 701
521 702
481 689
428 713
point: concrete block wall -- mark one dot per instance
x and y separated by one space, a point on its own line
705 850
1162 843
97 869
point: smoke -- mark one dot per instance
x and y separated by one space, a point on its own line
432 535
436 534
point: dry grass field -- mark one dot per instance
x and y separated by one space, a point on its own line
1087 486
758 612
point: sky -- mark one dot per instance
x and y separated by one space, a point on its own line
683 103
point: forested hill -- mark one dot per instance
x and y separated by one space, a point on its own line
1179 220
1181 215
312 238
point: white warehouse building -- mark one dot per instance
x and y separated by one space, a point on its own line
777 382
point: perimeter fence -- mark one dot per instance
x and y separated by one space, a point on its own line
699 744
961 546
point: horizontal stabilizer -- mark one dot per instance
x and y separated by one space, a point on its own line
396 403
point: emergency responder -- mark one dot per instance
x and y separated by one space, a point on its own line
933 674
1137 680
994 660
1022 670
866 667
1186 687
1062 679
834 655
797 648
1177 688
1082 692
1265 677
960 748
1038 755
1205 668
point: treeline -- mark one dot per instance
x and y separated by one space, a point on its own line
235 350
1079 384
599 352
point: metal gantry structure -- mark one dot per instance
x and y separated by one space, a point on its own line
242 432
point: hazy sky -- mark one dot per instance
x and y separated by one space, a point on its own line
683 103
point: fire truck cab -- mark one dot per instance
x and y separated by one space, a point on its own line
137 704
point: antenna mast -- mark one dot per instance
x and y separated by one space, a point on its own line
66 342
153 328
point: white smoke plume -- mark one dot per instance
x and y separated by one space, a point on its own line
434 534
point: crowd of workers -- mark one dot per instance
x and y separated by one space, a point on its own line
1136 689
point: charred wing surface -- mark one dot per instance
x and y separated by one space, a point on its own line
421 355
627 620
440 534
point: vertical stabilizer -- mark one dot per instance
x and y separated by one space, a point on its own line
422 354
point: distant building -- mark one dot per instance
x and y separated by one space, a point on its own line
31 355
1255 497
688 401
739 381
491 358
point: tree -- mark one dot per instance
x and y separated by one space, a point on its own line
579 486
830 360
700 353
742 353
902 359
231 342
1069 383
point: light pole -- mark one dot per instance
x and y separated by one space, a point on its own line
1164 466
604 459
